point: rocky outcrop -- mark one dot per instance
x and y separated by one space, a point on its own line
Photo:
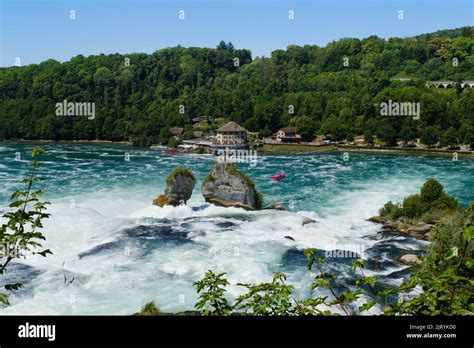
180 185
419 230
377 219
307 220
410 259
416 229
275 206
228 187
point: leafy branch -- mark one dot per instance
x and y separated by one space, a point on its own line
21 234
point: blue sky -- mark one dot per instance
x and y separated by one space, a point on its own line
36 30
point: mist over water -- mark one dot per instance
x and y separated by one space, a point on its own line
123 251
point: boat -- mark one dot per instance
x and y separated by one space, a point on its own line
158 147
278 176
171 150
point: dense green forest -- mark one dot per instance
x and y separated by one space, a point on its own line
334 90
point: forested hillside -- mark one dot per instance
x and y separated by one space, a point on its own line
330 94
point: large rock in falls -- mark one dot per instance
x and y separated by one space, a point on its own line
227 186
180 184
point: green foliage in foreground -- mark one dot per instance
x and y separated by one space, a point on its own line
20 235
276 297
432 201
446 280
447 275
212 300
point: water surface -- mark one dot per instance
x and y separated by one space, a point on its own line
123 252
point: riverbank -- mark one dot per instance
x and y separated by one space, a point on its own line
404 150
84 142
284 149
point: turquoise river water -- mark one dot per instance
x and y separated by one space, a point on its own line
122 251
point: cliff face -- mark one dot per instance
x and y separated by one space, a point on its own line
227 186
180 185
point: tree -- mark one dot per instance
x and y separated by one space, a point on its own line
173 142
222 45
388 134
429 136
466 131
171 86
20 236
407 132
449 138
369 137
305 126
333 125
431 190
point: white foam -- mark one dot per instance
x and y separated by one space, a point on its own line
250 249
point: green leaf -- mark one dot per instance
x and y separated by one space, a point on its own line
370 281
366 306
468 233
470 263
357 263
321 282
37 151
308 253
16 204
453 252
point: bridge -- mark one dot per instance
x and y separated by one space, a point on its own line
450 84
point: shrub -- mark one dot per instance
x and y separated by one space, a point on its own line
431 191
180 171
259 199
391 210
173 142
21 234
211 290
429 205
432 216
447 272
413 206
446 202
386 209
149 309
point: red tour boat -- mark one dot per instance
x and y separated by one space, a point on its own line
171 150
278 176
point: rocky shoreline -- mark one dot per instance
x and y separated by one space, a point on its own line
418 215
417 229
